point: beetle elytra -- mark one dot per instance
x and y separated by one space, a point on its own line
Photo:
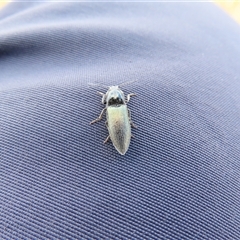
118 118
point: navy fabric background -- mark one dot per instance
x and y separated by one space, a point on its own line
180 178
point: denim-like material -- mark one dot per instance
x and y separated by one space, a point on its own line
180 176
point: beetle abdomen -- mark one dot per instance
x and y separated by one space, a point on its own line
119 127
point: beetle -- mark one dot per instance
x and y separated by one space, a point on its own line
118 118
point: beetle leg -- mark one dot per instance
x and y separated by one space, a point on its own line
107 139
102 94
131 122
99 118
130 95
103 97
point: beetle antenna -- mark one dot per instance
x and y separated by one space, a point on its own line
105 86
126 83
98 85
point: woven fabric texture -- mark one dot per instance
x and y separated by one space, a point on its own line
180 178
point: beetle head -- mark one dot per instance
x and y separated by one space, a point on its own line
115 96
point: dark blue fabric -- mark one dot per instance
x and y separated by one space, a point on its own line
180 178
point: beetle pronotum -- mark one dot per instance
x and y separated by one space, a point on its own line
118 118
